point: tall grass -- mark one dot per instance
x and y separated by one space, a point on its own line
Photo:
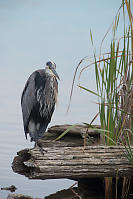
114 81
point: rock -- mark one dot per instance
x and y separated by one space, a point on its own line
18 196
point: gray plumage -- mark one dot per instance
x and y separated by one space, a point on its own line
38 101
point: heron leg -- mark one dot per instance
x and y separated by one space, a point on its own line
38 144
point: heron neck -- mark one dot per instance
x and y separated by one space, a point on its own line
49 72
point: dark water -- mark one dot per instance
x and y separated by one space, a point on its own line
12 140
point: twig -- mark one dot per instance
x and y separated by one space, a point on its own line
75 191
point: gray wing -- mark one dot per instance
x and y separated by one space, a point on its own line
28 100
38 93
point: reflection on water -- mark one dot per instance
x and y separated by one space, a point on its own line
12 140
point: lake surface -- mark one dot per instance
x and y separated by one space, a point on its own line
32 33
12 140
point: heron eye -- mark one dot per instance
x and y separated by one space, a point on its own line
49 64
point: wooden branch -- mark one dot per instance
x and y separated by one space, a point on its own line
73 162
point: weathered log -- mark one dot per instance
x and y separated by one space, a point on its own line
73 138
73 162
78 130
67 158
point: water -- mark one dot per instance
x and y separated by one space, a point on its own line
12 140
12 137
32 33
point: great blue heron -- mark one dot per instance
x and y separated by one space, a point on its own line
38 101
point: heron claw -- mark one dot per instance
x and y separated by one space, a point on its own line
40 148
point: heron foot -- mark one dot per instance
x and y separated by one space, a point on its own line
37 144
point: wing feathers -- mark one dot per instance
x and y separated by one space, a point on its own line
28 100
38 98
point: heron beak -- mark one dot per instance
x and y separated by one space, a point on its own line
55 73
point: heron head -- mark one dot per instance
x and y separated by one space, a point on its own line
51 66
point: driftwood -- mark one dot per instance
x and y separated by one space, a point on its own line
18 196
69 159
73 162
11 188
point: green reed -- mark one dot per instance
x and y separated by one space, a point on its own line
114 81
